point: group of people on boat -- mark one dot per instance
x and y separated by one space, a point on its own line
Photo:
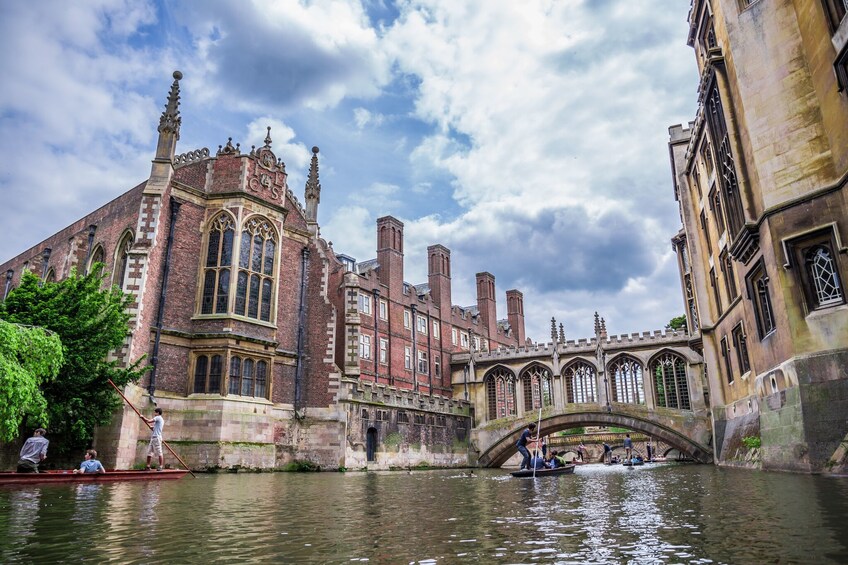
34 450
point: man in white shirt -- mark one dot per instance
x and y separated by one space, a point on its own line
155 447
33 452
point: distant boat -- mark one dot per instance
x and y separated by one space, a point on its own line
45 477
633 462
567 470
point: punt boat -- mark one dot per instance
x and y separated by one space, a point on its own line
51 477
567 470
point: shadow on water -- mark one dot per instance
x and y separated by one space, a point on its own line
663 513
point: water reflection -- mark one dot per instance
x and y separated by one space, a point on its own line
670 513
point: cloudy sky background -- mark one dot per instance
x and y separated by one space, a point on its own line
528 137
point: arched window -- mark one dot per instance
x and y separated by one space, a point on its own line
257 255
216 271
97 256
51 275
122 257
248 377
580 383
538 387
821 270
207 374
625 374
670 385
500 392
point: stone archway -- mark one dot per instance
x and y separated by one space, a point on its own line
502 449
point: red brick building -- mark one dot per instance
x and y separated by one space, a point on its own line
265 346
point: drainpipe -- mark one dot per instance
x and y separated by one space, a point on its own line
9 274
376 295
91 229
301 323
45 255
163 292
414 348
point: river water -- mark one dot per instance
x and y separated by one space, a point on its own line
665 513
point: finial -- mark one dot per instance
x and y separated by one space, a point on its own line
561 333
553 329
268 139
597 324
312 193
170 120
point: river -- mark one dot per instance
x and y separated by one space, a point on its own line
665 513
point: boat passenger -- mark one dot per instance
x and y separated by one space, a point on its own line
553 461
538 462
91 464
33 452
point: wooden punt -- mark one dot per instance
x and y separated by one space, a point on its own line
50 477
567 470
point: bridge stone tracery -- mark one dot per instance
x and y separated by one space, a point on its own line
649 382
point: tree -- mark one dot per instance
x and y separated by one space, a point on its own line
676 323
28 358
91 322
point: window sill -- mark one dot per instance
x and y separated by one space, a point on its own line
201 317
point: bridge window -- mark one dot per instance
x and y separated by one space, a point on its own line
500 393
626 380
538 388
580 383
670 385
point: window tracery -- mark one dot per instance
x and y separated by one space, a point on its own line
537 383
257 257
122 257
217 267
625 375
671 389
500 393
580 383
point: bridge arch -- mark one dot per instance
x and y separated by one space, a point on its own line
500 451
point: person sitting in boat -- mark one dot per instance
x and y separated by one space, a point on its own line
553 461
91 464
538 462
560 457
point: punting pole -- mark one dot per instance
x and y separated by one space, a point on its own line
149 426
538 431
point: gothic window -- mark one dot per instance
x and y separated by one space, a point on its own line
671 388
727 177
728 365
248 377
740 342
625 375
538 386
715 206
706 229
729 278
207 374
51 275
716 293
759 294
97 256
812 257
500 393
257 257
217 267
580 384
690 302
122 258
835 11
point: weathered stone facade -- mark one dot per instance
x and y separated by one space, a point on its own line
760 176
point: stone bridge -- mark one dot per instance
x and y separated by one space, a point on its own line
680 429
652 382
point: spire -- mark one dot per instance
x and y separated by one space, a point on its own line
561 333
268 139
553 330
170 120
597 325
313 186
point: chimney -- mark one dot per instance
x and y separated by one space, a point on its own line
515 314
439 278
390 254
486 303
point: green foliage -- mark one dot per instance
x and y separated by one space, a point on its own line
752 442
28 357
301 466
91 322
573 432
677 323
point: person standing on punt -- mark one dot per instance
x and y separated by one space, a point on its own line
33 452
526 439
628 448
156 438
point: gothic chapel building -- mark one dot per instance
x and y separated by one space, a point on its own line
265 345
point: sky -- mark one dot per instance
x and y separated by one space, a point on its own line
530 138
